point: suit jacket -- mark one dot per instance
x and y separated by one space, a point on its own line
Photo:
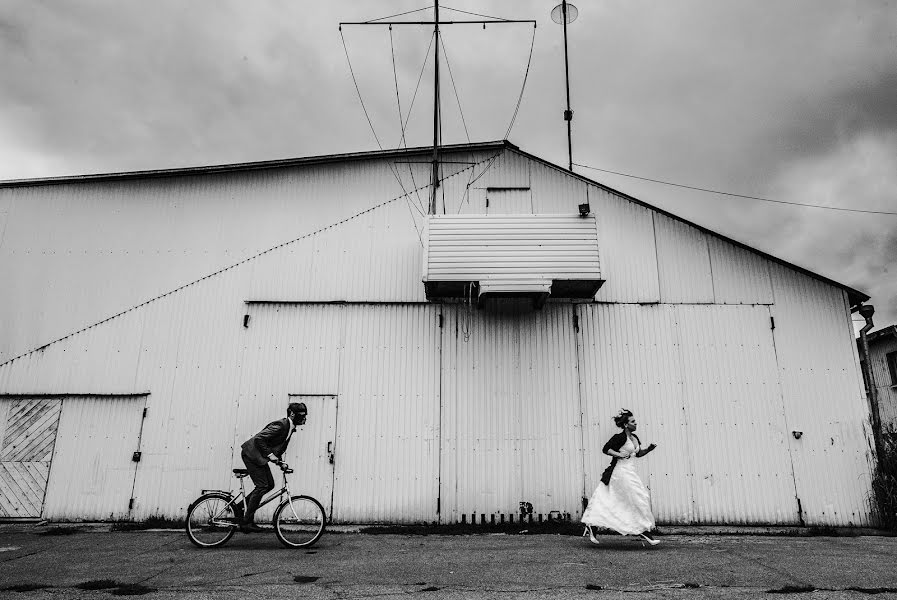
272 439
615 443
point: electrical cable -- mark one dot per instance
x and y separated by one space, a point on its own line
364 108
403 142
473 13
399 15
699 189
452 78
523 87
358 90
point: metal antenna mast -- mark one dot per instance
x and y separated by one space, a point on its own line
565 13
437 110
434 175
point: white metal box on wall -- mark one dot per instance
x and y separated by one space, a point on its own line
511 255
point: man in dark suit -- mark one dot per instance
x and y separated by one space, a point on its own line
266 446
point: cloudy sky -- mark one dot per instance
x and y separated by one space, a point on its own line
793 100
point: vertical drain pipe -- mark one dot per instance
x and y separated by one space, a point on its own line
866 311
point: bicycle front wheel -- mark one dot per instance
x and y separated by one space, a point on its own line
299 521
211 520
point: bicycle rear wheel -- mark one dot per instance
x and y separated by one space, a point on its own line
211 520
299 521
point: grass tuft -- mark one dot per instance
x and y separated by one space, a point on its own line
884 484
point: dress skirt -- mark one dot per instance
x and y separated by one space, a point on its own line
623 505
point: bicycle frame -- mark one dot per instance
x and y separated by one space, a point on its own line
242 496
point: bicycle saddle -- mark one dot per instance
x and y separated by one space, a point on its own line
240 473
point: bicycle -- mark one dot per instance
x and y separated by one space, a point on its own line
215 516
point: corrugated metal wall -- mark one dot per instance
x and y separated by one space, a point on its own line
887 389
519 402
824 399
703 385
510 412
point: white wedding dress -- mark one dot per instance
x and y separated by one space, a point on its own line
624 504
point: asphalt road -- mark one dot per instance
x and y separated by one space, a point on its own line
164 564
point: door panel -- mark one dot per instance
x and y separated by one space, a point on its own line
311 449
27 434
92 474
511 413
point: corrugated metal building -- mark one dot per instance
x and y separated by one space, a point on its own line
174 313
883 360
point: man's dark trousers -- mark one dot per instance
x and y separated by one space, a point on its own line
263 481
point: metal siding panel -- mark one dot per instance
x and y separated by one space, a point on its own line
387 467
510 412
739 276
627 248
824 399
683 262
630 359
92 474
742 466
73 254
475 248
700 392
887 389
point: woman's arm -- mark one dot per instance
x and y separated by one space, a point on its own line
644 451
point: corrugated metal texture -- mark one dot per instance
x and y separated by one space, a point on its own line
630 359
887 388
73 254
554 191
683 262
737 426
510 416
387 463
92 474
739 276
824 399
192 345
477 248
375 257
628 254
467 193
701 381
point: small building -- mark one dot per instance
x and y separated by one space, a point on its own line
883 359
456 367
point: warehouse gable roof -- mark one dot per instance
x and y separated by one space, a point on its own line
855 296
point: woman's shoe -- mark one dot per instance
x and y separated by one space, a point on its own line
588 533
650 541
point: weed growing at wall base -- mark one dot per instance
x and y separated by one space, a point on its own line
884 484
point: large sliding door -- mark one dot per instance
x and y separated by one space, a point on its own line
510 413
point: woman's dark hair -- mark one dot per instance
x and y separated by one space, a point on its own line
622 417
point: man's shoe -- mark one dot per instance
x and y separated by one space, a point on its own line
250 528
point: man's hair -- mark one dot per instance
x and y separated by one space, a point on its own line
297 407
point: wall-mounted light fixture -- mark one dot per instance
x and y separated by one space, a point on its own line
584 210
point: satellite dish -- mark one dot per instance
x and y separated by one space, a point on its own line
557 13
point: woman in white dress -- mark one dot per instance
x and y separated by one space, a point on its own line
621 501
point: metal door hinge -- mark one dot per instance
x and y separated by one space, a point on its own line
144 412
772 322
130 504
136 456
441 321
575 322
